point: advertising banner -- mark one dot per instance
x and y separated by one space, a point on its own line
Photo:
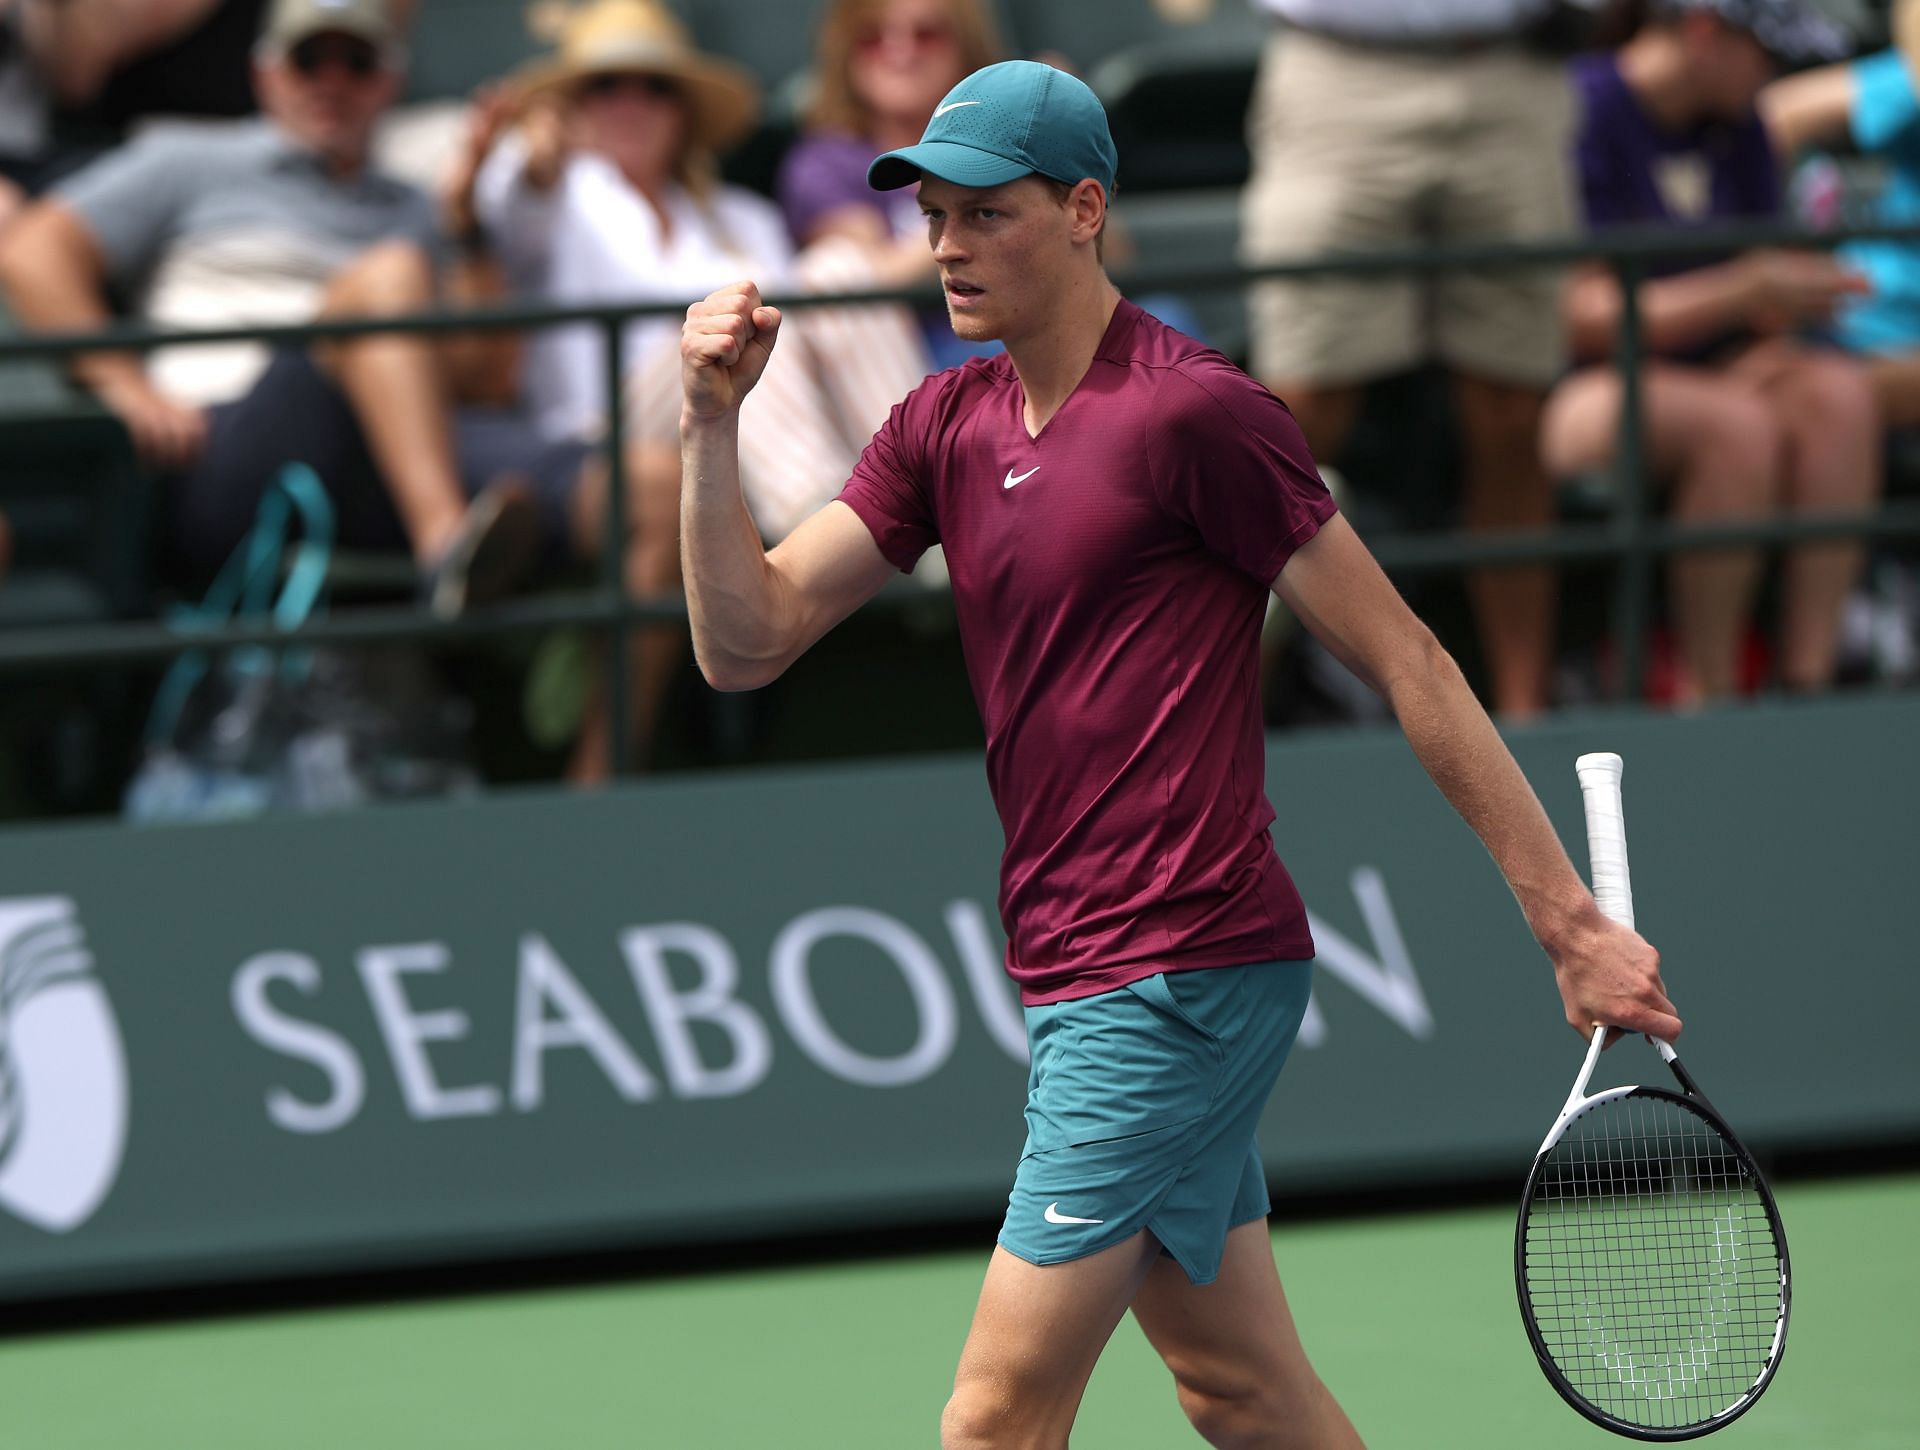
762 1004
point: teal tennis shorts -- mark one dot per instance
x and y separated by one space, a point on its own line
1141 1108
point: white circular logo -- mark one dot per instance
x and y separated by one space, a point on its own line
63 1071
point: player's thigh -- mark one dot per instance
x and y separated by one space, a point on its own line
1039 1328
1685 412
1233 1338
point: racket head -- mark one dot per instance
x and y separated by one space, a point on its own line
1651 1266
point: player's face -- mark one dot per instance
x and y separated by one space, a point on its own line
1002 254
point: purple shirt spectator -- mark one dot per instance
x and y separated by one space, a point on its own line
824 173
1634 173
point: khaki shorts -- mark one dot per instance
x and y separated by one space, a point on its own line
1356 148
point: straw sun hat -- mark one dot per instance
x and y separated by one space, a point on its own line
640 37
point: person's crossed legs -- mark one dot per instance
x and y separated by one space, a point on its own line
396 386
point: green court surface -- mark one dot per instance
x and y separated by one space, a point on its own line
1410 1318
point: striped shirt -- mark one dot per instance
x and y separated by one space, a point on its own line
222 224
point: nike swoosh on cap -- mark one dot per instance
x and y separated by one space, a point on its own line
1009 481
1053 1215
954 106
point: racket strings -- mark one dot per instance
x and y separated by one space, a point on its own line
1651 1269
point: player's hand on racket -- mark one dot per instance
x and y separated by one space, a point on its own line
1608 972
724 348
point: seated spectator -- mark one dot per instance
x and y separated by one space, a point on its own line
880 67
276 220
1745 412
1871 104
608 192
59 54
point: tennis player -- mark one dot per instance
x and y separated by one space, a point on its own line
1115 501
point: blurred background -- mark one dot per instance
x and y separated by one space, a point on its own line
455 1024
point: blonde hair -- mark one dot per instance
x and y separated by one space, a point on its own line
834 106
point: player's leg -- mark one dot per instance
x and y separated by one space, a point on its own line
1719 445
1238 1365
1140 1112
1212 1305
1037 1331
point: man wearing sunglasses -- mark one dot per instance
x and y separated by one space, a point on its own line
280 219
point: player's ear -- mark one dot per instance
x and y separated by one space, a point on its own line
1088 202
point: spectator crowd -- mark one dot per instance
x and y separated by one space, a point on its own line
592 174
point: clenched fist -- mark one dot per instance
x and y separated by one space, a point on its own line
724 348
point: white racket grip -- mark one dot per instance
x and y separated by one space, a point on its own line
1606 834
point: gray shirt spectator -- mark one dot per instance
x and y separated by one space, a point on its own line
279 221
224 224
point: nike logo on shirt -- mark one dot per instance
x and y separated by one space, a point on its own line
1010 480
954 106
1053 1215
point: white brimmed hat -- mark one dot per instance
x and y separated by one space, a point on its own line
639 37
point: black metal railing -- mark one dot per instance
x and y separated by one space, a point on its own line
1631 537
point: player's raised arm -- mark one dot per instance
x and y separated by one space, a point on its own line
753 612
1606 972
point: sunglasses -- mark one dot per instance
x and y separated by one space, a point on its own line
921 35
313 55
658 88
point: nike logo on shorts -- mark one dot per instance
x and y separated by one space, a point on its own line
1053 1215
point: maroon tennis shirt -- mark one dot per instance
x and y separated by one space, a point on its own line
1110 578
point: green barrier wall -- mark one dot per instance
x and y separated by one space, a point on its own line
771 1003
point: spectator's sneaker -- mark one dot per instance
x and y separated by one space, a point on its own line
497 543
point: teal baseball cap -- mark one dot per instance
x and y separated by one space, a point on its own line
1006 121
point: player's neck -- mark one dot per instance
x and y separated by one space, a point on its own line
1052 359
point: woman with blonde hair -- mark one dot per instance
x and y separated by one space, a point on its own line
880 68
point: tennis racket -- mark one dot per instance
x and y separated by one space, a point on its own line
1649 1256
